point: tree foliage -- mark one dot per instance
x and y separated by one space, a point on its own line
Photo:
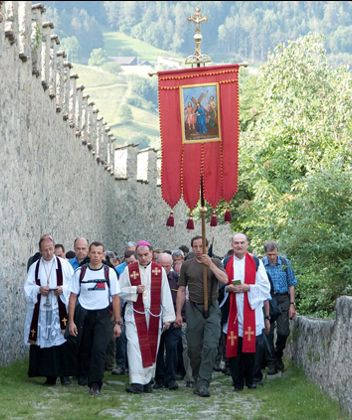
240 30
295 166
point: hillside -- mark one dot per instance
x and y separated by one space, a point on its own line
109 91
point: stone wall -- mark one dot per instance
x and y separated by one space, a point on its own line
59 170
323 348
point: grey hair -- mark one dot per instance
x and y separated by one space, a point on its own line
177 253
270 246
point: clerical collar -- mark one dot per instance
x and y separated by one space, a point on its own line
145 266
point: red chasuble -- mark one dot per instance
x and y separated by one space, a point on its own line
248 340
147 335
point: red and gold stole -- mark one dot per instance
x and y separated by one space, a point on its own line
147 336
248 341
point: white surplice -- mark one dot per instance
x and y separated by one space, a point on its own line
137 373
49 330
257 294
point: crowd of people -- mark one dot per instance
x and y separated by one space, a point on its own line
146 315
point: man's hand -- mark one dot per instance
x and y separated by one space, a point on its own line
166 326
179 321
292 312
267 326
140 288
58 291
241 288
73 329
205 259
44 290
117 330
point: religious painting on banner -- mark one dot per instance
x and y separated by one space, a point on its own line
199 130
200 113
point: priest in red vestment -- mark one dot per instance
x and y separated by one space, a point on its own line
149 310
248 288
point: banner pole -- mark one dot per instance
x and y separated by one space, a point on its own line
203 211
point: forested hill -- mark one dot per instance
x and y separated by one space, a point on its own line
241 30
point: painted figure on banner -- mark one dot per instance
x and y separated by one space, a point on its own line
201 119
211 112
190 117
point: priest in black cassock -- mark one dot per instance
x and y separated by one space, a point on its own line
46 293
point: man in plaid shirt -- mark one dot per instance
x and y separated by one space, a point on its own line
283 282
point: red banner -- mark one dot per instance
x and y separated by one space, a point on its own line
199 129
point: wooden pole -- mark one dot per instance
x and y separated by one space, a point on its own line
203 211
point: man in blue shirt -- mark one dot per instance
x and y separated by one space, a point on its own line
80 246
283 290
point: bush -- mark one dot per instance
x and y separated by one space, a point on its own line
97 57
111 67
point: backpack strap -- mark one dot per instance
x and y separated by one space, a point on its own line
83 272
84 269
106 274
256 259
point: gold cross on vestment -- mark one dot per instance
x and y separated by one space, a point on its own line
232 337
134 275
249 333
156 271
64 321
33 332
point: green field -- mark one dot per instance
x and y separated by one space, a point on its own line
108 91
119 44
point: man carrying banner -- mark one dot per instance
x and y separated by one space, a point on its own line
203 332
145 288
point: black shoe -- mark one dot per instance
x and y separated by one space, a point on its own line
279 365
238 388
148 388
135 389
272 370
217 368
252 386
65 380
189 384
202 391
158 385
82 380
50 381
118 371
173 385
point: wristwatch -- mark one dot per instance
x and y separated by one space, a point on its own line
267 317
118 323
293 303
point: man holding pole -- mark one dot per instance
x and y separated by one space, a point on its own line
203 326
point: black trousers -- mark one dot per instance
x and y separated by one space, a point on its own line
242 367
96 334
166 363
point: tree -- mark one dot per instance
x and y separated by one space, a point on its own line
70 44
97 57
124 114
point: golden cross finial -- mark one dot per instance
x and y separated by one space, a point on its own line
197 18
197 57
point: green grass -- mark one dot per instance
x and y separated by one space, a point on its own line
119 44
108 91
288 397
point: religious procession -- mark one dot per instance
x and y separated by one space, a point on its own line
189 256
145 316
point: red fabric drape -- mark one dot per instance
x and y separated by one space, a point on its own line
184 164
248 340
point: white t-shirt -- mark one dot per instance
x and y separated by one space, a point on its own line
94 292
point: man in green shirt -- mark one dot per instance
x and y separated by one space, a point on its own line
202 333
